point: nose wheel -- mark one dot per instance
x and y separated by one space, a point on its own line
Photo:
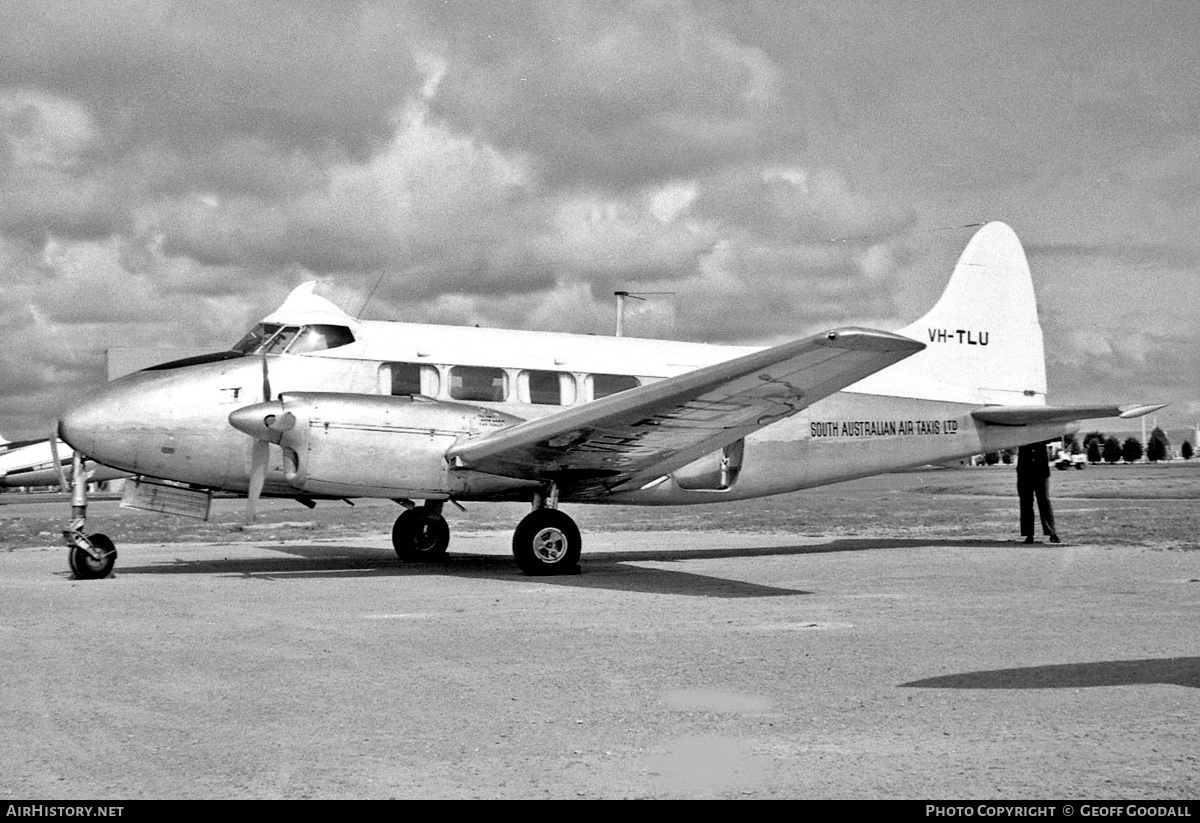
547 542
91 557
93 561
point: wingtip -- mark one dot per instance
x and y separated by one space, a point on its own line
1131 411
860 338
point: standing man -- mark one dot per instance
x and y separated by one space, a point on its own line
1033 481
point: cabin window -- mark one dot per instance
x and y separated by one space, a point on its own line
546 388
407 379
478 383
605 384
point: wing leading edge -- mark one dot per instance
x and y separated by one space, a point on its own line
631 438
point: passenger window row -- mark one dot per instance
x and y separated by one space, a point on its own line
487 384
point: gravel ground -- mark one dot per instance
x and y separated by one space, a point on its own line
887 638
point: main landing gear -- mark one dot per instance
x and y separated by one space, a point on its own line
93 556
546 542
421 534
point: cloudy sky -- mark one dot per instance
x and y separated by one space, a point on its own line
169 170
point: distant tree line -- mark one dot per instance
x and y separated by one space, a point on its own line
1101 448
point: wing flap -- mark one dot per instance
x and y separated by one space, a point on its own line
1034 415
643 433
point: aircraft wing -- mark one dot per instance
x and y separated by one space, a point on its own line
1033 415
636 436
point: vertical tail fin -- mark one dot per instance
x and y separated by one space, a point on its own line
983 339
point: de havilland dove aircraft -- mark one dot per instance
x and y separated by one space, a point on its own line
315 404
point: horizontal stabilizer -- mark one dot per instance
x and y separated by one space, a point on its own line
1035 415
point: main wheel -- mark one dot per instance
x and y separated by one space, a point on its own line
87 567
547 542
420 535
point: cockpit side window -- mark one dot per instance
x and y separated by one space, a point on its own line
319 337
279 343
273 338
256 337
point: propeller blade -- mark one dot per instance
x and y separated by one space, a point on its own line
260 453
58 466
266 394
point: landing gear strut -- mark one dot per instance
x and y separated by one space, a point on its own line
91 557
547 541
420 534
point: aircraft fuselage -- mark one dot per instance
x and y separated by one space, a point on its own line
174 424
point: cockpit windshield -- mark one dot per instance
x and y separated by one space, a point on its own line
274 338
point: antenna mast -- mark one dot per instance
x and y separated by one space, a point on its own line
621 295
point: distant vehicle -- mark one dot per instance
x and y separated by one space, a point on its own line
1065 461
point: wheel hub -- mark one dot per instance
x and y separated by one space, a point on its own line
425 539
549 545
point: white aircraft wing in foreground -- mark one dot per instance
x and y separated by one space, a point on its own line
629 439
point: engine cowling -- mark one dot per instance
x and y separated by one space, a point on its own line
363 445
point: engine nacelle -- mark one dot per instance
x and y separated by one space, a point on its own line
363 445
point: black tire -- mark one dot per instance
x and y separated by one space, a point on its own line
547 542
87 567
420 535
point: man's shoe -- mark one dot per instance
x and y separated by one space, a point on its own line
1029 539
1054 538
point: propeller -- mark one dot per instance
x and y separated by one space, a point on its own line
260 454
266 392
267 422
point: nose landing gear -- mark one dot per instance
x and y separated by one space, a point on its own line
91 557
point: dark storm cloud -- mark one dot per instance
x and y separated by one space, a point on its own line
308 74
614 94
798 206
1126 255
34 205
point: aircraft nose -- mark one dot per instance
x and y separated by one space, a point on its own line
107 425
81 426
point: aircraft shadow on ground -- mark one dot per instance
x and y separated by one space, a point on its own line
609 570
1176 671
313 562
855 544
